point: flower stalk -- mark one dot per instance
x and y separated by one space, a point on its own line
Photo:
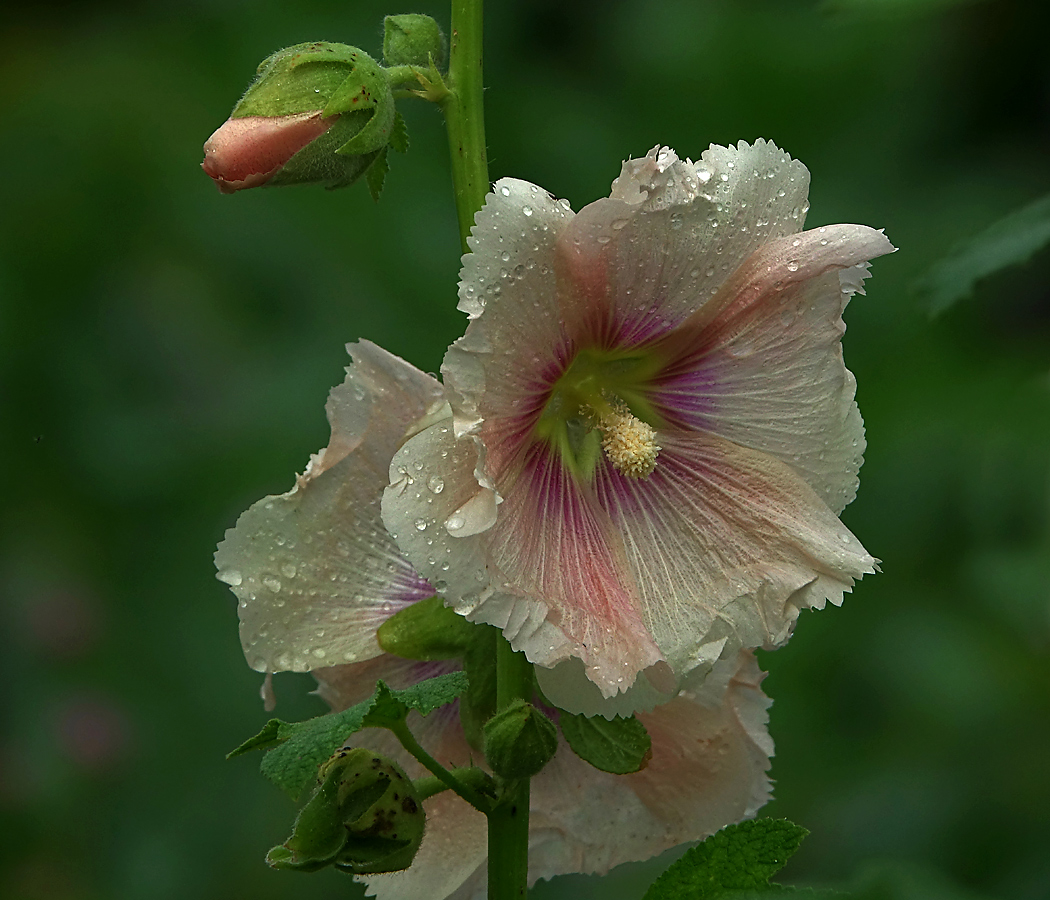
464 114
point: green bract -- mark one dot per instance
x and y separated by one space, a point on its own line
345 84
426 630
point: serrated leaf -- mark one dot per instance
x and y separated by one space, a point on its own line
399 134
268 737
739 858
375 175
620 746
781 890
1007 242
298 748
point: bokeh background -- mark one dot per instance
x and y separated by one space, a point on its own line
165 354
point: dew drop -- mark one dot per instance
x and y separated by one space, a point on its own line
527 210
455 522
271 583
436 484
288 570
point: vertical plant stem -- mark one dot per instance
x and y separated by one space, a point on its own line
464 114
509 819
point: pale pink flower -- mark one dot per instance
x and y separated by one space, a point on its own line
710 754
653 430
316 575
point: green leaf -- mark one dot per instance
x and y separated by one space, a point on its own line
375 175
619 746
1007 242
298 748
738 858
268 737
399 139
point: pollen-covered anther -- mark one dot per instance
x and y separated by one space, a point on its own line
629 443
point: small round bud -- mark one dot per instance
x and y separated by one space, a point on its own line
412 40
519 741
426 630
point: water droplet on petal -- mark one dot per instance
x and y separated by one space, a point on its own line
527 210
436 484
271 583
421 524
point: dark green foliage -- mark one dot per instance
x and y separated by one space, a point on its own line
738 858
296 749
619 745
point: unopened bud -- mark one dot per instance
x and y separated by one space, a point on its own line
365 817
412 40
426 630
317 113
519 741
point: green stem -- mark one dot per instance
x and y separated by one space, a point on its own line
509 819
409 742
471 776
464 115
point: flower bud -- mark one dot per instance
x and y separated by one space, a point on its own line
316 113
426 630
365 817
412 40
519 741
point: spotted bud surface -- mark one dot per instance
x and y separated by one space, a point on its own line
364 818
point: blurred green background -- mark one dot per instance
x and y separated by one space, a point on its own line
165 354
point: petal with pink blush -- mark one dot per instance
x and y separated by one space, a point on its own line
247 152
720 538
762 364
313 570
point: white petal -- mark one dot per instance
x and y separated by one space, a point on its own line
763 361
460 568
672 232
723 540
313 569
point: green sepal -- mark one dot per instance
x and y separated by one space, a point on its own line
619 745
298 79
296 749
399 134
320 162
519 741
427 630
365 817
412 40
375 175
478 705
738 858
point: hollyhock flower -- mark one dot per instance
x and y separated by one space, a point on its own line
316 575
654 431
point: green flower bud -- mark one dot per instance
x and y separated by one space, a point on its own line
412 40
316 113
426 630
365 817
519 741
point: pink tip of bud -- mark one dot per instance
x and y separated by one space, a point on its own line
249 151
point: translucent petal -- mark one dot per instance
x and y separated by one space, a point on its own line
313 569
722 540
427 524
762 364
673 231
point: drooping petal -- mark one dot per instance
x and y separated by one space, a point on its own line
313 570
721 539
761 363
710 756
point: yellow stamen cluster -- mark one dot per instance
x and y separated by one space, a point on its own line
628 442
